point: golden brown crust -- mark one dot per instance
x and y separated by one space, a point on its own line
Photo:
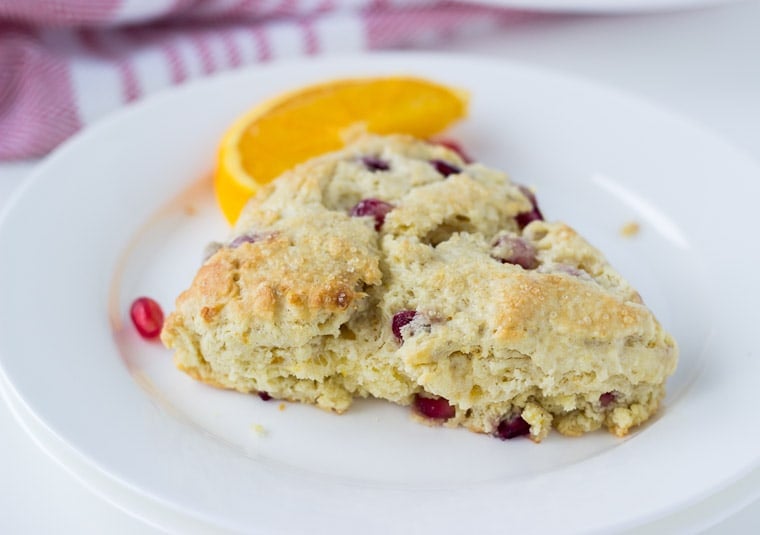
529 302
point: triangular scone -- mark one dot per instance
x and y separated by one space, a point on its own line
396 270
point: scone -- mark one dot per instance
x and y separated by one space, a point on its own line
394 269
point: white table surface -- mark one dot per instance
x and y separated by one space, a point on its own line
704 64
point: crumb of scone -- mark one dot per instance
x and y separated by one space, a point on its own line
259 429
394 269
630 229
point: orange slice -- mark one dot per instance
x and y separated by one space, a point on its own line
293 127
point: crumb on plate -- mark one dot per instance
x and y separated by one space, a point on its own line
259 429
630 229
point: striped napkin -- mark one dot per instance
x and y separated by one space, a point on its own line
65 63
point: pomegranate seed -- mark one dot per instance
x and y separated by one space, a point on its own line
436 408
147 316
264 395
512 427
456 147
445 168
245 238
570 270
399 320
528 217
533 215
607 398
374 207
514 250
374 164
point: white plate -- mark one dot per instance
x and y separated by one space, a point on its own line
124 210
603 6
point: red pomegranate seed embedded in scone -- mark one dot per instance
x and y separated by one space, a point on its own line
401 319
374 164
569 270
534 214
372 207
147 317
244 238
264 395
515 250
512 427
607 398
456 147
435 408
250 237
445 168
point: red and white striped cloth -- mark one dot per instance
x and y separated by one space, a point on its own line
65 63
